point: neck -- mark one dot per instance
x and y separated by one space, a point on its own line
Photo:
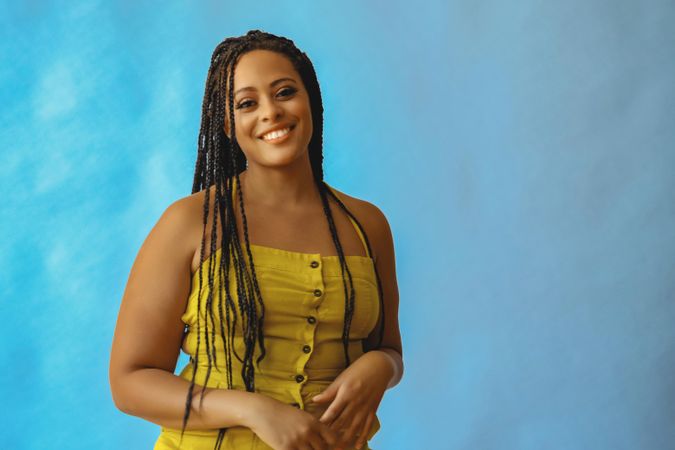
278 188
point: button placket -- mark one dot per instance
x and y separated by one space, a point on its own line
316 286
316 281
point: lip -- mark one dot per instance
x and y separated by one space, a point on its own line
278 127
281 138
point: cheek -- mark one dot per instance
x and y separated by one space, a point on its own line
307 117
309 126
245 130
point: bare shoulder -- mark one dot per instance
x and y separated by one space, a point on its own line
190 211
372 218
364 209
186 213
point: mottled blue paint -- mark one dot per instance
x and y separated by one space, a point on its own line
522 152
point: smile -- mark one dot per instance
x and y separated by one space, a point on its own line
277 136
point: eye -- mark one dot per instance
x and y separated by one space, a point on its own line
289 91
243 104
285 92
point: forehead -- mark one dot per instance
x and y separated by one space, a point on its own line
258 68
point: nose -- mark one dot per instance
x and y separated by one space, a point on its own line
270 110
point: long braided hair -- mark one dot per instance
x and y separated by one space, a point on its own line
219 159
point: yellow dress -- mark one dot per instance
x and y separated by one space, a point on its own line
304 300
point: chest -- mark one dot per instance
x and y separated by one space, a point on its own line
306 232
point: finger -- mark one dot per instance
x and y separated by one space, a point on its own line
329 436
308 445
308 439
354 427
333 412
365 431
316 441
341 425
342 416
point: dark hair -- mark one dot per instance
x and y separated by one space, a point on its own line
219 159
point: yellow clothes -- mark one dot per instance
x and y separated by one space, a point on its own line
303 295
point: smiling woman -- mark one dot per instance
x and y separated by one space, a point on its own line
309 311
273 108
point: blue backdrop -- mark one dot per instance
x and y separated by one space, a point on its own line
523 153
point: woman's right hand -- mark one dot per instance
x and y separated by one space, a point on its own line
284 427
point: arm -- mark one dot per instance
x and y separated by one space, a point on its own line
382 243
149 331
393 359
159 396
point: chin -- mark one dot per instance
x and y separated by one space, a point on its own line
281 157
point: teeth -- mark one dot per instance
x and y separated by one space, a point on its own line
275 134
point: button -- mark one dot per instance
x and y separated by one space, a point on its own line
306 349
299 378
317 292
314 264
296 405
311 319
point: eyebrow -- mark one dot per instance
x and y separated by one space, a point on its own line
272 84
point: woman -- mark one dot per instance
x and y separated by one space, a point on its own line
314 301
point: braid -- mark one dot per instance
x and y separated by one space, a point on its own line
370 251
219 162
349 304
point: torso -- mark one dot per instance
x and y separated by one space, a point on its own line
306 231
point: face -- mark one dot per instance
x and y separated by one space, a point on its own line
269 95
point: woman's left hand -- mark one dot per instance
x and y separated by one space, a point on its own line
354 397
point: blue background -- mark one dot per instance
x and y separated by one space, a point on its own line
523 153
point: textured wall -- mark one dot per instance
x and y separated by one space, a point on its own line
522 151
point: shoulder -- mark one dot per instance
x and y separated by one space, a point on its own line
185 218
190 209
361 208
372 218
181 213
